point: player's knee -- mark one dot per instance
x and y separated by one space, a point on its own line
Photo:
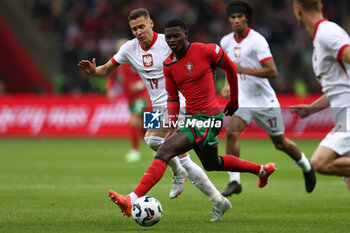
211 166
154 142
166 152
317 165
231 136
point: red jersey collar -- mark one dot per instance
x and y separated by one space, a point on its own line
246 34
316 26
155 36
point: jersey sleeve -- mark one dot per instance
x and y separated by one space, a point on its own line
121 56
223 44
215 54
335 41
262 49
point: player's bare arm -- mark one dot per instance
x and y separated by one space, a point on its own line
100 71
268 70
346 55
304 110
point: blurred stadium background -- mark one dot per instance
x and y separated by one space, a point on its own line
55 34
42 40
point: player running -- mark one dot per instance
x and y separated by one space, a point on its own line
257 100
146 54
331 64
190 70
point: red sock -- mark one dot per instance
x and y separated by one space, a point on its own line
135 138
234 164
153 174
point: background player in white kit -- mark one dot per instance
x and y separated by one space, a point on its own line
146 54
331 64
257 100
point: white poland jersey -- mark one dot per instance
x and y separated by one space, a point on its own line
329 41
149 65
251 51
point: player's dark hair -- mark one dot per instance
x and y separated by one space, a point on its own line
134 14
176 23
237 6
310 5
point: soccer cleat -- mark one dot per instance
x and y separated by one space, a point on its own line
133 156
123 202
220 209
310 180
179 178
232 188
269 169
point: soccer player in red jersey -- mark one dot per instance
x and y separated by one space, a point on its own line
190 69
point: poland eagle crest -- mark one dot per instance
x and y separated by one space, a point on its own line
147 60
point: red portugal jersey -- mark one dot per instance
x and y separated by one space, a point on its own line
193 75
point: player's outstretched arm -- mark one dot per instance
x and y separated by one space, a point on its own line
304 110
100 71
268 70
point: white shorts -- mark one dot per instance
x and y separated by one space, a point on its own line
338 139
269 118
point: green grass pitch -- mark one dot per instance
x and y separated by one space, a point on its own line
61 185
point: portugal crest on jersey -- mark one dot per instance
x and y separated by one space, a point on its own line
147 60
238 52
189 67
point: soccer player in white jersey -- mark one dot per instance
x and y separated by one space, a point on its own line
146 54
331 64
257 100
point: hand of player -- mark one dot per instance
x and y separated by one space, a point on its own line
239 68
231 108
87 66
302 110
225 92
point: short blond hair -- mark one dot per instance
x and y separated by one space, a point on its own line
134 14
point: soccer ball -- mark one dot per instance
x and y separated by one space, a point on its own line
147 211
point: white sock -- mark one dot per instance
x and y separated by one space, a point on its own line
235 176
200 179
133 197
304 163
175 164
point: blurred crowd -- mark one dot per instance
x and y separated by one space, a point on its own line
90 28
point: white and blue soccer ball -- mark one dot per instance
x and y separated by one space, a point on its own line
147 211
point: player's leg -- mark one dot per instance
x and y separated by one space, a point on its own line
175 145
327 161
135 133
234 126
290 148
271 120
332 157
135 122
154 139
